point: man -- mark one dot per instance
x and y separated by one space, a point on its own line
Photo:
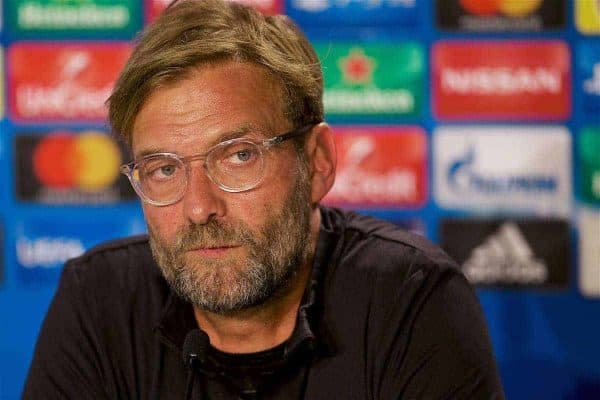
245 287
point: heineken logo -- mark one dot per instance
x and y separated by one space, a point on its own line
72 14
373 80
70 17
357 68
589 162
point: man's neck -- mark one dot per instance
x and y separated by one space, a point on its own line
265 326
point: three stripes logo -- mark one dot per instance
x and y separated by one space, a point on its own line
509 253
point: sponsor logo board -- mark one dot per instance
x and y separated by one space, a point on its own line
65 167
1 81
500 15
73 19
377 80
269 7
380 167
587 16
501 80
495 168
353 12
513 253
5 170
589 252
77 80
42 246
1 252
588 76
589 158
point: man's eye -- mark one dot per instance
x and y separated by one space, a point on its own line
161 171
241 156
166 170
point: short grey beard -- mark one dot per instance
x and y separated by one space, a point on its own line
275 256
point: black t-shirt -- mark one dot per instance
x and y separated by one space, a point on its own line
386 315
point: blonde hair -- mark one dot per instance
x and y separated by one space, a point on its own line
190 33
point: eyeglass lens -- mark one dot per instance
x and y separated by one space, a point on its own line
234 166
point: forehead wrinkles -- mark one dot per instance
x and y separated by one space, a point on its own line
261 86
270 83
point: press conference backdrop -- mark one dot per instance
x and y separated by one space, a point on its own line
473 122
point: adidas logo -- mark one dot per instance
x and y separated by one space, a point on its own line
505 258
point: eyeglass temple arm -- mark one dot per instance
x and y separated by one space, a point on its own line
296 132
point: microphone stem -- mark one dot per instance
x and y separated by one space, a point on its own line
189 386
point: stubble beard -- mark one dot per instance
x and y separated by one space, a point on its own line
274 256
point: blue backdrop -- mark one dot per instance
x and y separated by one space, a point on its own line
546 334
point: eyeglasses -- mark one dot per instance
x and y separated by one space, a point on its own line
235 165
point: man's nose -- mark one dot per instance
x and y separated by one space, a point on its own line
203 200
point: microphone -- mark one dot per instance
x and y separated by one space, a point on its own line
194 351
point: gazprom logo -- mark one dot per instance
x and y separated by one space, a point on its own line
464 178
503 168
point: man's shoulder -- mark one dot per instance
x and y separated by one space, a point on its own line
385 246
116 252
120 263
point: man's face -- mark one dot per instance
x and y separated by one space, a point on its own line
226 251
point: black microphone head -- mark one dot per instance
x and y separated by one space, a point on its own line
195 346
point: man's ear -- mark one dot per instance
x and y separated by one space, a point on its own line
322 159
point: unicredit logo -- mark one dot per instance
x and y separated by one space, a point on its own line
75 83
69 96
373 170
464 179
88 161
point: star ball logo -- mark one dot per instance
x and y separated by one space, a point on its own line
64 167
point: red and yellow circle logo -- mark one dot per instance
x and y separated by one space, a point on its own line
88 161
511 8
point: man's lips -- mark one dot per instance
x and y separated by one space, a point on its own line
213 250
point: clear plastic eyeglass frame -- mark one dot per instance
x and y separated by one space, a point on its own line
172 188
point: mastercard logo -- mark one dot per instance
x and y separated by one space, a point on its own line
511 8
88 161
